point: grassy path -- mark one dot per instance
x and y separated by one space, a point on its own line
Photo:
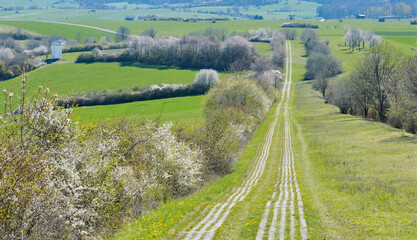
288 184
215 220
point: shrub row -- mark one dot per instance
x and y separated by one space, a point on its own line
132 95
236 54
383 87
320 62
298 25
90 47
204 80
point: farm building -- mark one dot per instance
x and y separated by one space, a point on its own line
57 49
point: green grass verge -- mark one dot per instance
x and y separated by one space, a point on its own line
361 177
183 110
358 177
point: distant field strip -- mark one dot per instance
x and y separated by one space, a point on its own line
84 26
288 186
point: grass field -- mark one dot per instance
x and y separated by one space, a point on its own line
391 28
359 176
66 31
263 48
276 11
408 41
75 78
186 109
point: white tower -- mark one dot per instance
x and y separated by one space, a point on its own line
57 49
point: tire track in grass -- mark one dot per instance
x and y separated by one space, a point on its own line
288 179
214 219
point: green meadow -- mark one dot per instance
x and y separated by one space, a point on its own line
408 41
358 176
68 78
51 12
50 29
391 28
263 48
184 110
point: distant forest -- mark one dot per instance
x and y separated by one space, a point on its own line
96 3
372 8
329 8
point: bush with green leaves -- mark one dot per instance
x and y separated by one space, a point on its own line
243 95
233 108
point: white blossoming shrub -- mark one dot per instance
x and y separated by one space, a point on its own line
6 54
60 180
206 78
179 165
63 181
41 50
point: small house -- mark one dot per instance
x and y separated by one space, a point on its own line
57 49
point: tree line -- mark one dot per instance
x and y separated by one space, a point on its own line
342 8
321 64
356 37
235 54
383 87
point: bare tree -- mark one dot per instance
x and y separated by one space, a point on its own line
320 84
237 53
261 65
278 56
375 40
377 71
151 32
122 34
353 36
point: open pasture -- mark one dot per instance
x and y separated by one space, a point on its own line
49 29
327 28
75 78
185 109
408 41
303 9
391 28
